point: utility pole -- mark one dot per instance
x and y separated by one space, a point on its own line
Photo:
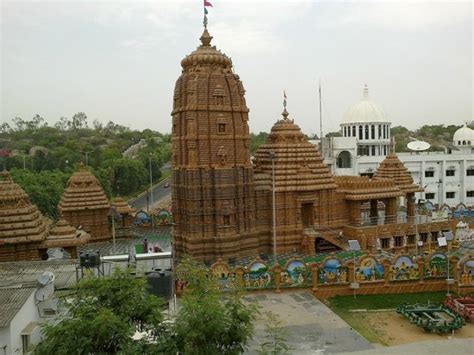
272 156
87 155
151 193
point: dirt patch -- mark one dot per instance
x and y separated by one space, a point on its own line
393 329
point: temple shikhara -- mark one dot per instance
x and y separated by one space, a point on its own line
224 203
85 204
25 234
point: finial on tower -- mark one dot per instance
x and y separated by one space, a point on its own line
285 112
206 4
366 92
206 38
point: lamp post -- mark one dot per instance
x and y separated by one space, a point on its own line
272 157
113 227
151 193
354 246
87 155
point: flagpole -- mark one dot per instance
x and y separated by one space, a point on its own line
320 121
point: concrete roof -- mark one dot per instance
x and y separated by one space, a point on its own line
11 301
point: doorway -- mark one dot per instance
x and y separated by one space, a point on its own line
307 214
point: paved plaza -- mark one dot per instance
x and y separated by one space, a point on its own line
311 326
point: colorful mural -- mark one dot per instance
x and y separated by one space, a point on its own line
295 274
404 269
258 276
467 273
225 278
369 270
436 266
332 272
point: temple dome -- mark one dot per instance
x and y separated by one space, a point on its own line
20 220
63 235
206 54
464 134
365 111
122 207
298 164
392 168
82 192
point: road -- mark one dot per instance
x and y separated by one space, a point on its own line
159 193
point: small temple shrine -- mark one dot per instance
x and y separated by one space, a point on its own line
225 206
62 235
25 234
85 205
125 212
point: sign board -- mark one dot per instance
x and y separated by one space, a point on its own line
354 285
448 235
439 215
442 242
354 245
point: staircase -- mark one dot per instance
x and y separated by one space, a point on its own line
332 236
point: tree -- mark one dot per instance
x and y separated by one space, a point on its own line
79 120
211 322
275 337
103 315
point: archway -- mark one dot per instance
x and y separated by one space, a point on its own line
344 160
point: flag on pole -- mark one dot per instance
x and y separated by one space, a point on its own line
284 98
206 4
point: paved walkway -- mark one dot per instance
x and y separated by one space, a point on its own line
435 347
312 327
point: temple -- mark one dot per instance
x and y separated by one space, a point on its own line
226 206
84 204
25 234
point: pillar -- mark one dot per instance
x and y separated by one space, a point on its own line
410 207
391 210
374 212
314 276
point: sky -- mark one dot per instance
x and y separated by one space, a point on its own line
119 60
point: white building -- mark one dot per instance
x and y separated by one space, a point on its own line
447 177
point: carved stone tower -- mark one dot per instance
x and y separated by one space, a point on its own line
212 177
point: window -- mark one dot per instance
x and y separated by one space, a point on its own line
424 237
411 239
450 194
372 131
366 132
344 160
360 132
344 132
353 131
380 131
429 195
450 172
385 243
429 173
470 193
25 341
221 128
398 241
227 220
470 171
373 150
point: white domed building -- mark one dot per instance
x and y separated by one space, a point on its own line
464 138
368 123
447 176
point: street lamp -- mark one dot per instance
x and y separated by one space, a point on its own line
151 192
272 157
87 155
354 246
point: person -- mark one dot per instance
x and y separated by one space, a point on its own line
145 246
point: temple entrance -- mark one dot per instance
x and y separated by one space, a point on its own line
321 245
307 214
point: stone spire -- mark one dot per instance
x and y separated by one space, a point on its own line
20 221
85 203
392 168
365 94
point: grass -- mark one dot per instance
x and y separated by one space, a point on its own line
347 303
342 305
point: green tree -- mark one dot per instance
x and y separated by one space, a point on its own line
103 315
44 188
211 322
275 337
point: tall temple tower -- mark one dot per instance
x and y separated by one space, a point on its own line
212 176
